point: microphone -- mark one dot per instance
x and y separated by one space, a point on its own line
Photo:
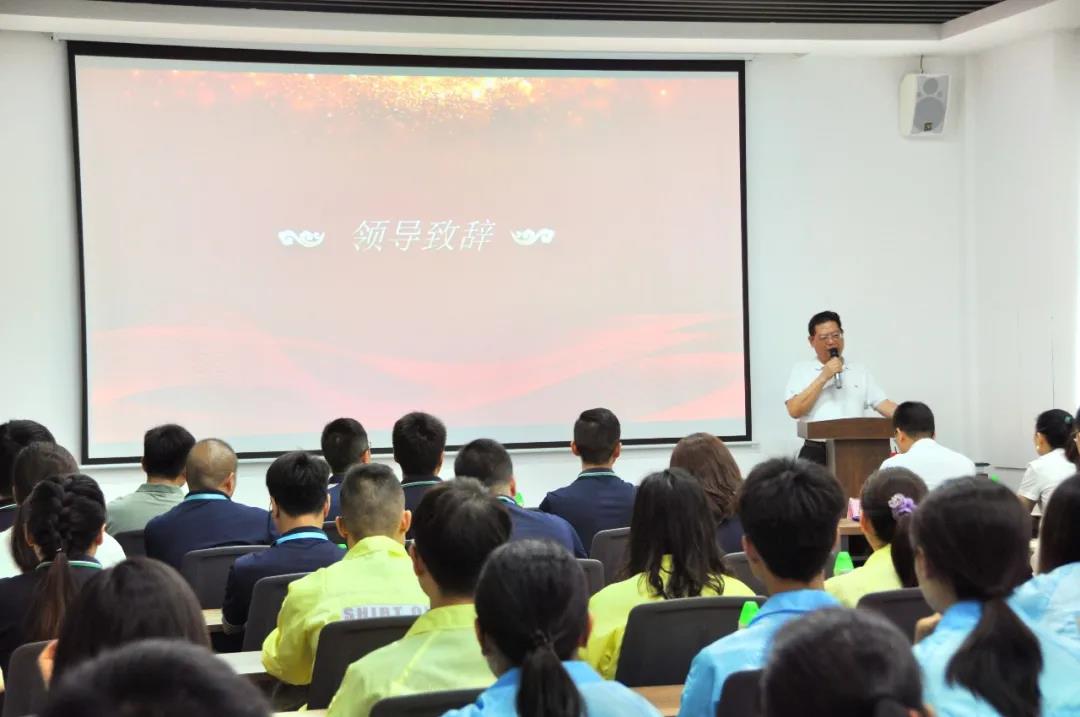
833 353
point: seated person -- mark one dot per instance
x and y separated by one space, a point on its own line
165 451
1052 598
705 457
296 483
790 510
419 448
487 461
673 554
65 520
207 517
14 436
1053 433
376 570
457 526
344 443
598 499
869 670
914 434
531 617
163 678
889 498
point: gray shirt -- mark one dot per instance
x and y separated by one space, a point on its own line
134 510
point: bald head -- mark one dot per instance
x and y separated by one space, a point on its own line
210 465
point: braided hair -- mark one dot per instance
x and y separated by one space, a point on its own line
64 516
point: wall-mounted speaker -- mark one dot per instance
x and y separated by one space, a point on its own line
924 103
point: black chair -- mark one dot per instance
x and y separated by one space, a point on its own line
611 547
343 643
132 542
427 704
266 601
594 574
207 571
903 607
662 637
330 528
26 692
739 565
741 695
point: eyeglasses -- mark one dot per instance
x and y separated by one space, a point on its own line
830 337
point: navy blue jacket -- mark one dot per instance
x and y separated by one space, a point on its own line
335 495
534 525
597 500
205 519
415 487
308 551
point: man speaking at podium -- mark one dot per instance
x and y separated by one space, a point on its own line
829 387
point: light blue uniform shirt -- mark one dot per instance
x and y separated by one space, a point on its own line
746 649
602 698
1058 682
1052 601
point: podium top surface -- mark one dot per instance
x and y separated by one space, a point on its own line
850 429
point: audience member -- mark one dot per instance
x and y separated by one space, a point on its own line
1053 434
64 523
531 616
490 463
14 435
598 499
673 554
1052 598
790 510
889 497
705 457
296 483
457 526
344 444
155 678
971 551
207 517
165 451
841 662
920 453
376 570
419 448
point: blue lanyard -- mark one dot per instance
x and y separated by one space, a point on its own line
420 483
598 474
205 496
74 563
311 534
507 499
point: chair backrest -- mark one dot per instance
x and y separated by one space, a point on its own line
739 566
611 547
903 607
266 599
741 695
330 528
427 704
594 574
25 690
132 542
344 642
662 637
207 570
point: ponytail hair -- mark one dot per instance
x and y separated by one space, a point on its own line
1056 426
889 499
974 535
64 516
532 604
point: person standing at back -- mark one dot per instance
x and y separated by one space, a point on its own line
598 499
344 444
165 451
207 517
419 448
913 424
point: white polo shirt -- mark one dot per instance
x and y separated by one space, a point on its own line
1044 474
932 462
859 394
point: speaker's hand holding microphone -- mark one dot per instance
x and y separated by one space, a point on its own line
835 366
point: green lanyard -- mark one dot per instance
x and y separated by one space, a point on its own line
74 563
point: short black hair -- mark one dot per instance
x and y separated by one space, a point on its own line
419 441
343 442
15 435
823 317
789 511
455 527
915 419
297 482
596 434
372 500
486 460
165 450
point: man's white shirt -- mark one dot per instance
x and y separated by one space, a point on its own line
859 395
932 462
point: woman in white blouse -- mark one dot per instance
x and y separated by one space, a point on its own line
1054 432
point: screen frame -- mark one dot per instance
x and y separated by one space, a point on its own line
481 62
